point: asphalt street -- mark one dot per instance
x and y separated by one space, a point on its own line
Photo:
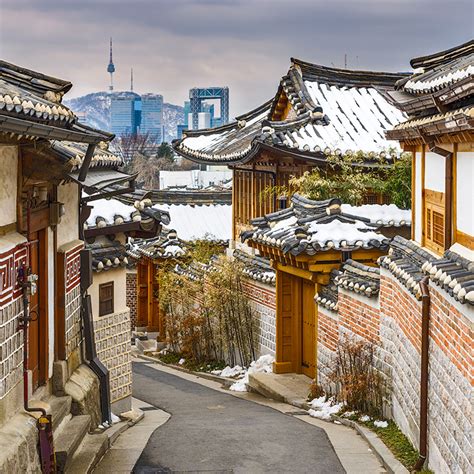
210 431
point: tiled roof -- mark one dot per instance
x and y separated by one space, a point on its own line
410 263
75 153
310 226
107 255
333 111
256 267
112 212
360 278
30 106
327 296
438 96
164 246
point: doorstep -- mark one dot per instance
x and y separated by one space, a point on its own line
288 388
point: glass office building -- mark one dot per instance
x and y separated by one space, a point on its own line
152 116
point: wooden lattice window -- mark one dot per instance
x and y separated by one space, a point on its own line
106 298
434 220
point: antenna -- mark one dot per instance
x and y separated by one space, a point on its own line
131 79
345 61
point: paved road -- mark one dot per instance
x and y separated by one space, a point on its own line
210 431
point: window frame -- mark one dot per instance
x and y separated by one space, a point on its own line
105 311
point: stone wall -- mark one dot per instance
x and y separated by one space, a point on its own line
263 300
394 322
112 335
131 297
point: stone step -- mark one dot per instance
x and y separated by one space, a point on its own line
69 440
90 452
60 408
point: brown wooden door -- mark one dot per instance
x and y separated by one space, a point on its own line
308 337
142 301
34 325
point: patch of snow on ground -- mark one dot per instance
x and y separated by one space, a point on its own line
380 424
115 418
365 418
229 371
262 365
181 361
323 408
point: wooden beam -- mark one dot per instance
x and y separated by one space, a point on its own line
298 272
86 163
324 267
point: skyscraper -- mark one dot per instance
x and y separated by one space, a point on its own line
122 114
152 116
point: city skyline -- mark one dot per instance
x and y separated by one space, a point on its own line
174 46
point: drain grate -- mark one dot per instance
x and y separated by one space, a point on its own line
148 408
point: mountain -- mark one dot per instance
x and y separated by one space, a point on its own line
96 107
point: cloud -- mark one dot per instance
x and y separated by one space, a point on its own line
174 45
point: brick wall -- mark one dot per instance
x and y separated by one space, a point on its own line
131 298
394 322
263 300
112 335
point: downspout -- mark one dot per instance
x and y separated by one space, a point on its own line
424 378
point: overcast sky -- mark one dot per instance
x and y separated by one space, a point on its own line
174 45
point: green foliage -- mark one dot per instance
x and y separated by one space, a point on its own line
165 151
350 178
203 250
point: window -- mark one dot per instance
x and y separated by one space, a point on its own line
106 298
434 220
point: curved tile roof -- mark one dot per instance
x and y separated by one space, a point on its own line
359 278
166 245
256 267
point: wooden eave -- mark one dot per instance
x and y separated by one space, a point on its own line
125 228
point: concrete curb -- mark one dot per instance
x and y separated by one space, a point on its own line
118 428
224 381
389 461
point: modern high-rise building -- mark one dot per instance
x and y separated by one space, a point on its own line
152 116
122 115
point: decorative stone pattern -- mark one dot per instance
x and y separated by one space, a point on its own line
112 335
11 346
131 298
11 308
72 313
263 300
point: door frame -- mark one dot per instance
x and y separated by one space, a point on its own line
290 361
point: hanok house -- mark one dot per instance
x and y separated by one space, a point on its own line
105 225
306 243
439 100
195 215
43 280
317 111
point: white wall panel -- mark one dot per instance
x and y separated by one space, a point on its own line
465 192
434 172
418 202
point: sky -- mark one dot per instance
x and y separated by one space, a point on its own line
174 45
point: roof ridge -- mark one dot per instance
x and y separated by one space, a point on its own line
434 59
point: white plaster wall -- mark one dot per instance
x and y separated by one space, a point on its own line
434 172
465 192
118 276
8 183
68 228
418 199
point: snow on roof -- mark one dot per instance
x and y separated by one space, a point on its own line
385 214
358 119
193 178
212 221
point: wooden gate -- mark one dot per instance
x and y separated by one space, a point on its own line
308 337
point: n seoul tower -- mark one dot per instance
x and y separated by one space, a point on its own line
111 68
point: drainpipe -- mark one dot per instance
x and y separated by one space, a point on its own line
425 341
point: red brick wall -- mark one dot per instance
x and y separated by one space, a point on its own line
358 317
328 330
131 297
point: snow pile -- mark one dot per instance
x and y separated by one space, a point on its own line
181 361
380 424
365 418
115 418
230 372
323 408
262 365
385 214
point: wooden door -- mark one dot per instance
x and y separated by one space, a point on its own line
308 337
142 293
33 327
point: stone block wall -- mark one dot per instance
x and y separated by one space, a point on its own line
451 414
263 300
131 299
112 335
